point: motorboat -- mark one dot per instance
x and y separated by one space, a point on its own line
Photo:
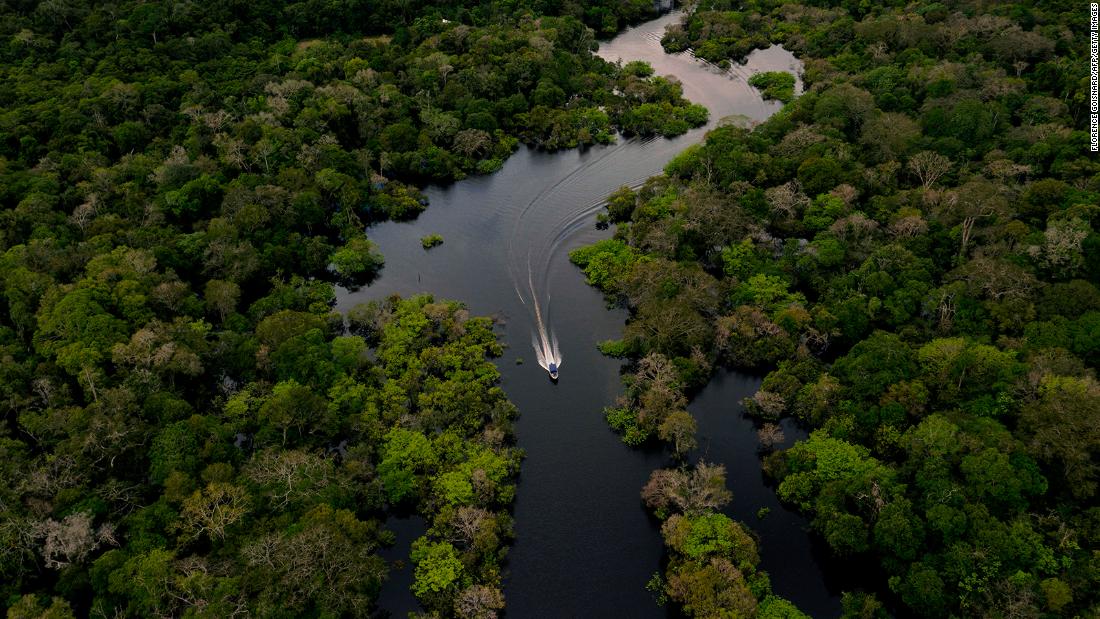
553 369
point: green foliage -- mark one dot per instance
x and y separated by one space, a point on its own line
438 569
625 421
404 454
773 607
614 348
174 449
768 292
432 240
825 461
777 85
620 204
740 260
30 606
605 262
824 210
819 174
357 259
714 534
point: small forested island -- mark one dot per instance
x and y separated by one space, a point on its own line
906 252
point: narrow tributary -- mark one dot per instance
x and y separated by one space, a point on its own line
585 547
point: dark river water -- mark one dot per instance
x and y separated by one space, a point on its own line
585 547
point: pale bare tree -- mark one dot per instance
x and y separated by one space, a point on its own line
787 199
470 142
769 435
311 155
846 193
176 162
797 141
467 522
879 52
479 602
656 370
976 200
171 294
929 167
290 476
767 404
72 539
946 307
1006 170
858 232
367 79
1061 250
85 212
322 562
48 477
690 492
995 85
881 175
217 119
113 430
441 126
908 226
221 297
263 151
660 396
232 151
996 279
212 510
155 347
679 429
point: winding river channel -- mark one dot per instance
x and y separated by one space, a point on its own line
585 546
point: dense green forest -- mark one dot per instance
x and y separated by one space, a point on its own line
188 429
909 250
164 492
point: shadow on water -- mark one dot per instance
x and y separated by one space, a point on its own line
584 544
396 600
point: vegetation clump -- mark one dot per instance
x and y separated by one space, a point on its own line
357 260
778 85
431 240
712 570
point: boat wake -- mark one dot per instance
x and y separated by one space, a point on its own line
543 340
546 346
530 228
545 226
546 349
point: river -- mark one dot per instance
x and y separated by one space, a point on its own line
585 547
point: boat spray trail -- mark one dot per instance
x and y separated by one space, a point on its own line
543 339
